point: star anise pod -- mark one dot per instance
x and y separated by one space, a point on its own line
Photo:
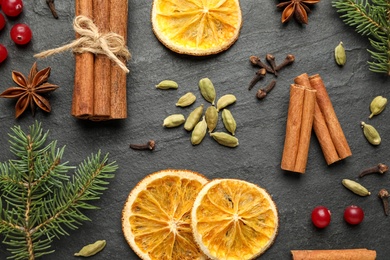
296 8
28 92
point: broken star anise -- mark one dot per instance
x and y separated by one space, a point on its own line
28 92
296 8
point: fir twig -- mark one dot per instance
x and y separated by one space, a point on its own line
370 18
39 200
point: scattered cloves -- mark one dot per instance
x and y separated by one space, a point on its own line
271 60
384 196
150 145
287 61
52 8
380 168
257 61
259 75
262 93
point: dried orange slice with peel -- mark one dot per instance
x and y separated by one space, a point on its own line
156 218
234 219
196 27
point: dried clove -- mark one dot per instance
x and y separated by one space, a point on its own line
52 8
271 60
384 196
257 61
259 75
262 93
380 168
287 61
150 145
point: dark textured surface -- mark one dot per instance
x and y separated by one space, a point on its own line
260 125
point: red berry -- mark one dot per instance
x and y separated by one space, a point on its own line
320 216
21 33
2 21
3 53
12 7
353 215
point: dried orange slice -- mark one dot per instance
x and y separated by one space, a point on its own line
234 219
156 218
196 27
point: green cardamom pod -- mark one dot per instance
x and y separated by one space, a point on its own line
355 187
207 90
211 116
371 134
186 100
193 118
167 84
229 121
174 120
377 105
199 132
339 54
225 101
225 139
92 249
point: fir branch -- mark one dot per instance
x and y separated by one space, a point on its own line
38 199
370 18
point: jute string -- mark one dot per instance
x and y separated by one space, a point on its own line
91 40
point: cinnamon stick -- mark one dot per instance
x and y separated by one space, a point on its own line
82 101
319 126
118 24
102 65
335 130
298 128
336 254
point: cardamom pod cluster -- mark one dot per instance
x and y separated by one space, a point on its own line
199 121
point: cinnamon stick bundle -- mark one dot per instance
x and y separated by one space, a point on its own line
100 84
336 254
298 128
326 125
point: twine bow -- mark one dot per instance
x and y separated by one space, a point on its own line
91 40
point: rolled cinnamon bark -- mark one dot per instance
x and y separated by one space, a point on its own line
319 126
298 128
335 130
102 65
336 254
82 101
118 24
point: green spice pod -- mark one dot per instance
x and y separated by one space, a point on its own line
339 54
229 121
193 118
186 100
199 132
355 187
92 249
167 84
377 105
207 90
211 116
174 120
225 101
225 139
371 134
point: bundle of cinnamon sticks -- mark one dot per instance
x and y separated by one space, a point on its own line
334 254
310 108
100 85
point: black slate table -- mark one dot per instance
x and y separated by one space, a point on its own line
260 124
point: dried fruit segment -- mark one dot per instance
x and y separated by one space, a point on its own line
156 219
234 219
196 27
